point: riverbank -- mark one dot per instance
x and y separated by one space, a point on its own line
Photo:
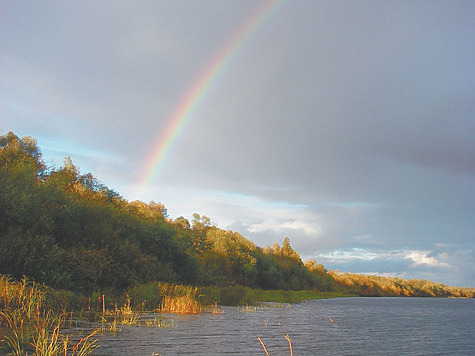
166 297
238 295
34 317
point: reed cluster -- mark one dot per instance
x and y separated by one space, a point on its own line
30 326
113 325
249 308
112 321
160 323
181 305
167 298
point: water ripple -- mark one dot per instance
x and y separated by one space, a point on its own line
361 326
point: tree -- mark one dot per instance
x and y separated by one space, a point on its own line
20 170
276 249
14 150
312 266
159 207
200 226
200 223
287 250
152 211
65 177
183 223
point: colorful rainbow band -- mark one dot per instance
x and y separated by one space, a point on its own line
200 87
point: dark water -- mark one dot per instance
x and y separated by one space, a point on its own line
361 326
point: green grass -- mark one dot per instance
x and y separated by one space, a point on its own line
238 295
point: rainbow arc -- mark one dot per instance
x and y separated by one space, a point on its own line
198 89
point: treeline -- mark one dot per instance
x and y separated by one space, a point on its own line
69 231
376 286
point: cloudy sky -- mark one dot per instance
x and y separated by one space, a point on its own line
345 125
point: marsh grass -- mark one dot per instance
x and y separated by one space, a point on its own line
130 319
161 324
269 305
112 327
113 320
126 309
31 326
249 309
215 309
262 306
239 295
181 305
166 298
179 299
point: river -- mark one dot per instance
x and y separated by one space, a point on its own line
340 326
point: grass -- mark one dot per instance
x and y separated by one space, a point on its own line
249 308
160 323
30 326
181 305
166 298
170 298
238 295
125 315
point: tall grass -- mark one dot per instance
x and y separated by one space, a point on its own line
167 298
31 326
181 305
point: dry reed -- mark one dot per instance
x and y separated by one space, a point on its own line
263 346
31 326
290 344
286 338
180 305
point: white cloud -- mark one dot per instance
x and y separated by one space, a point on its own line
343 256
418 257
276 224
423 258
405 275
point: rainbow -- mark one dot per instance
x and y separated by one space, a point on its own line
200 87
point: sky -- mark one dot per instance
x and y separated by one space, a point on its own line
346 126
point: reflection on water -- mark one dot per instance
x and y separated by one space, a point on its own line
344 326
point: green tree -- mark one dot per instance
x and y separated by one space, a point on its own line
200 226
